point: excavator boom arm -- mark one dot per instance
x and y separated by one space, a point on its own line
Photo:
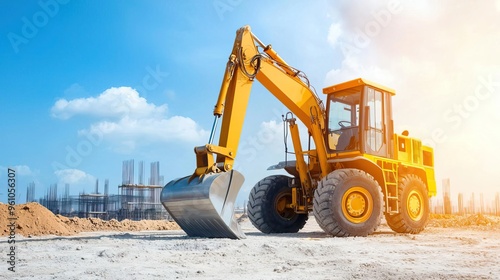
244 66
203 203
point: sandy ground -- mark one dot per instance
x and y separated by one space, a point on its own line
437 253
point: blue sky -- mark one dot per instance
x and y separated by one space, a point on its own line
85 85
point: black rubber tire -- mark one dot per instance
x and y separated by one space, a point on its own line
328 208
262 207
403 222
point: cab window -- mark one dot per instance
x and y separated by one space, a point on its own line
343 121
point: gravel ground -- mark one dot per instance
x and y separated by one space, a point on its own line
436 253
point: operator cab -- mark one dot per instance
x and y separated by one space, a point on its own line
359 118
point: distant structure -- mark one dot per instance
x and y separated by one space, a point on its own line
461 209
447 196
66 206
50 200
30 192
135 201
154 178
465 206
472 204
497 204
94 205
139 201
481 203
141 172
128 172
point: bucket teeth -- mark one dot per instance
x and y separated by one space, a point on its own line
205 207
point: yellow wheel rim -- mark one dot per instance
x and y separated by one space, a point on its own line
414 205
281 201
357 205
281 204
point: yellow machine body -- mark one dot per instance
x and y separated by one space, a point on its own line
358 170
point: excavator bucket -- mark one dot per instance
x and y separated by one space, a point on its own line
204 207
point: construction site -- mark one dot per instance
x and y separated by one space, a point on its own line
464 204
297 140
135 201
140 201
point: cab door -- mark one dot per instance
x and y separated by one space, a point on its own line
375 132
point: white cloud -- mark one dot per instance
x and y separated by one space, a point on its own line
21 170
334 33
352 68
74 176
113 102
75 90
176 128
127 120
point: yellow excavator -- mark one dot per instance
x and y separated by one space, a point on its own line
357 170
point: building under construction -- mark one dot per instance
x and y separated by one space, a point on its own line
141 201
135 201
464 206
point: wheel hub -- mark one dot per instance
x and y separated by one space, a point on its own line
357 205
281 201
414 205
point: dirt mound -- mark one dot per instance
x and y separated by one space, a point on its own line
476 220
33 219
95 224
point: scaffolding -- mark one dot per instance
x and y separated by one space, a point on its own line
497 204
141 202
447 196
30 192
468 206
50 200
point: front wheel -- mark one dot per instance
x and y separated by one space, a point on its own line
348 202
267 207
413 206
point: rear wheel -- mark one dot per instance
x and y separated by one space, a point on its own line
348 202
413 206
267 207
